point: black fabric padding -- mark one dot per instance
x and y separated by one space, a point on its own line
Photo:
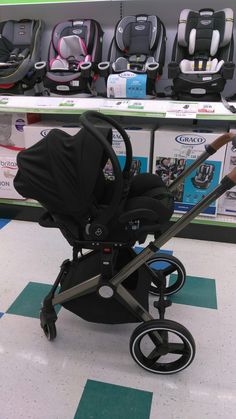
144 182
160 213
61 171
190 24
5 49
137 41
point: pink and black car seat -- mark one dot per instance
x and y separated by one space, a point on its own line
74 53
20 44
138 46
202 53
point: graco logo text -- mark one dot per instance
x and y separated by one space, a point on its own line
190 139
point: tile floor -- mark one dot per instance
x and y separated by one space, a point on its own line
87 372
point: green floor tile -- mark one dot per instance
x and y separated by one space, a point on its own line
108 401
28 303
197 291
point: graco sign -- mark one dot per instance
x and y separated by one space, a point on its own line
190 139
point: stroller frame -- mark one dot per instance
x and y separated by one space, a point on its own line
111 286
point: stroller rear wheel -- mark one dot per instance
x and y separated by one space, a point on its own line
173 354
162 266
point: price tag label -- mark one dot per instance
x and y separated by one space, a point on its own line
181 110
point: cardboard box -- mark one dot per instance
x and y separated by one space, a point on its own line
141 146
227 203
174 150
12 129
36 132
8 170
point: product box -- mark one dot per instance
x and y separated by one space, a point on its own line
12 129
8 170
227 203
141 146
36 132
126 85
174 150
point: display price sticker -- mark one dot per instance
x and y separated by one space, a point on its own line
69 103
182 110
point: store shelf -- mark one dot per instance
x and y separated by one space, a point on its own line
33 2
121 107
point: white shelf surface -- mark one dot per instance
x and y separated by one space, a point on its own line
127 107
34 2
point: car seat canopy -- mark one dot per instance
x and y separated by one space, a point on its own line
61 172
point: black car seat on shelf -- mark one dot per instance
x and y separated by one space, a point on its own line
20 43
203 176
202 53
138 46
74 53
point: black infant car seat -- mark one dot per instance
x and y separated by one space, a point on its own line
74 52
203 176
202 53
138 47
19 52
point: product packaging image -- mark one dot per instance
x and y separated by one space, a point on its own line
12 127
141 145
8 170
126 85
227 203
174 151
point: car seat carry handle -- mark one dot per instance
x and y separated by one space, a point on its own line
117 126
97 229
210 149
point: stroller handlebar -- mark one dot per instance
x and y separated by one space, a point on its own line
223 140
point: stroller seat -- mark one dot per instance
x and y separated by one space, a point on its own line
74 52
19 52
202 53
138 46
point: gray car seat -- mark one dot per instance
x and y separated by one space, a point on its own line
19 52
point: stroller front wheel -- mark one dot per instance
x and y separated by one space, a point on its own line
173 354
48 327
50 331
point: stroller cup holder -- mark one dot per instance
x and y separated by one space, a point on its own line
111 284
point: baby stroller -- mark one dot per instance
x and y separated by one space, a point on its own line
111 284
19 52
